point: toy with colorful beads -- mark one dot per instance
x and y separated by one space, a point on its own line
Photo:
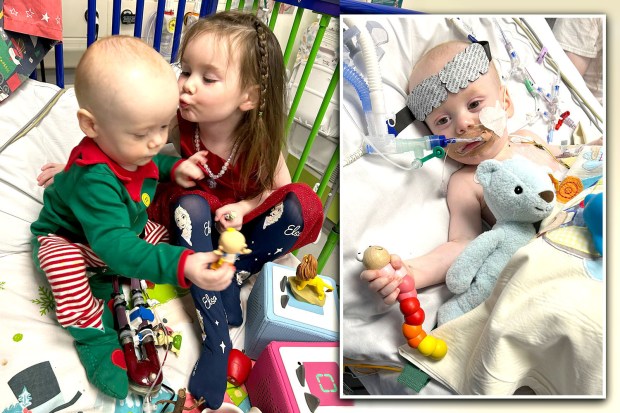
377 258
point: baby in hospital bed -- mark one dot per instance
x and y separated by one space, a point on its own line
457 92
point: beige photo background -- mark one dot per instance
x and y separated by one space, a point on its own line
551 8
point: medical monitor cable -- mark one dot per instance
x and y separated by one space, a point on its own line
536 40
524 29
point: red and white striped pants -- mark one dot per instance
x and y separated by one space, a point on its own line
65 263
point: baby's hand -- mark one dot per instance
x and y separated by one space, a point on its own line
188 171
386 280
46 178
197 271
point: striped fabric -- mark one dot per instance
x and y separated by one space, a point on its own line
65 264
155 233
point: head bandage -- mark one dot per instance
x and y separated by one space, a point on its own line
465 67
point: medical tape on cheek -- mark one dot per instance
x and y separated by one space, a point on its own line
466 67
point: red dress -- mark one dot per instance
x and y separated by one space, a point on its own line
227 191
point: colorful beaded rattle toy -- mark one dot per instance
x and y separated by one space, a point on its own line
376 258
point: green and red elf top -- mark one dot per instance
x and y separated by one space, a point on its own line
95 201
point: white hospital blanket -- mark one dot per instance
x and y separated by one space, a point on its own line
542 327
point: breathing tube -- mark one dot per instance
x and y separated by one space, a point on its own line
376 117
380 140
370 93
359 84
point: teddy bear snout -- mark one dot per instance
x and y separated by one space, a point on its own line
546 195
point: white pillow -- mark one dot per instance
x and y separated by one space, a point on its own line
21 162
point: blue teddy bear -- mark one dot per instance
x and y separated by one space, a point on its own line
519 193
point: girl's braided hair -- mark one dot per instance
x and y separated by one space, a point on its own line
260 136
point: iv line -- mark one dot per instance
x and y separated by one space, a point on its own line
534 39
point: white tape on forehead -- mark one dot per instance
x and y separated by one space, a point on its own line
464 68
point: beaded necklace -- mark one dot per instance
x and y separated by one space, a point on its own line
212 177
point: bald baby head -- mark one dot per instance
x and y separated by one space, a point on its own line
115 66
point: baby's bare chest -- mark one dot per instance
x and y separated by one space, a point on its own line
537 155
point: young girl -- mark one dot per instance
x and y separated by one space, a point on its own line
232 105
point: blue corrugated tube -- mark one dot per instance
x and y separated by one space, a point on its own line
358 82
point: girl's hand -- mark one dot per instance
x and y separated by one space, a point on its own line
189 170
197 271
229 216
386 280
49 170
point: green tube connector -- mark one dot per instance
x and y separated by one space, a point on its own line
530 87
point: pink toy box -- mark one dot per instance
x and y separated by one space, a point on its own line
297 377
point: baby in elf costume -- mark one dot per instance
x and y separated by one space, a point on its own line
94 214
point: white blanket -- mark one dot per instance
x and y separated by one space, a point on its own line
544 324
542 327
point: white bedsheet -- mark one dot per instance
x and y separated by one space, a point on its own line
405 211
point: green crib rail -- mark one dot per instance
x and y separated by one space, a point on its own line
291 38
317 123
306 73
328 248
333 237
274 15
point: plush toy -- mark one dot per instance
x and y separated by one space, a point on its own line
593 218
519 193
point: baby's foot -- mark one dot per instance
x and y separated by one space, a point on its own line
103 359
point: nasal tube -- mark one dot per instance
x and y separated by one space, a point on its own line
402 145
